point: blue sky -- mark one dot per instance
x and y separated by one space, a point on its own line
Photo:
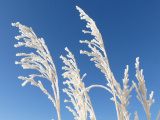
129 29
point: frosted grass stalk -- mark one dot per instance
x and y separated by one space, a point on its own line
41 60
136 116
81 102
99 56
142 91
158 115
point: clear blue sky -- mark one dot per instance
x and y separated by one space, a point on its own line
130 29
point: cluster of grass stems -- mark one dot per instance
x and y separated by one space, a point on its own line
42 61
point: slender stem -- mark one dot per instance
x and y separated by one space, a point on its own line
115 101
58 111
113 90
158 116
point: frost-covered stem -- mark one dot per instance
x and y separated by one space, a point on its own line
111 76
57 100
136 116
158 115
115 101
55 87
76 89
41 61
112 87
99 56
142 91
116 105
58 113
92 86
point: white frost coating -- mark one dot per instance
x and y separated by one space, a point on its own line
136 116
82 102
99 56
142 91
41 61
158 115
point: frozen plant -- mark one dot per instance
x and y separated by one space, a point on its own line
41 61
120 95
81 102
142 94
99 56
